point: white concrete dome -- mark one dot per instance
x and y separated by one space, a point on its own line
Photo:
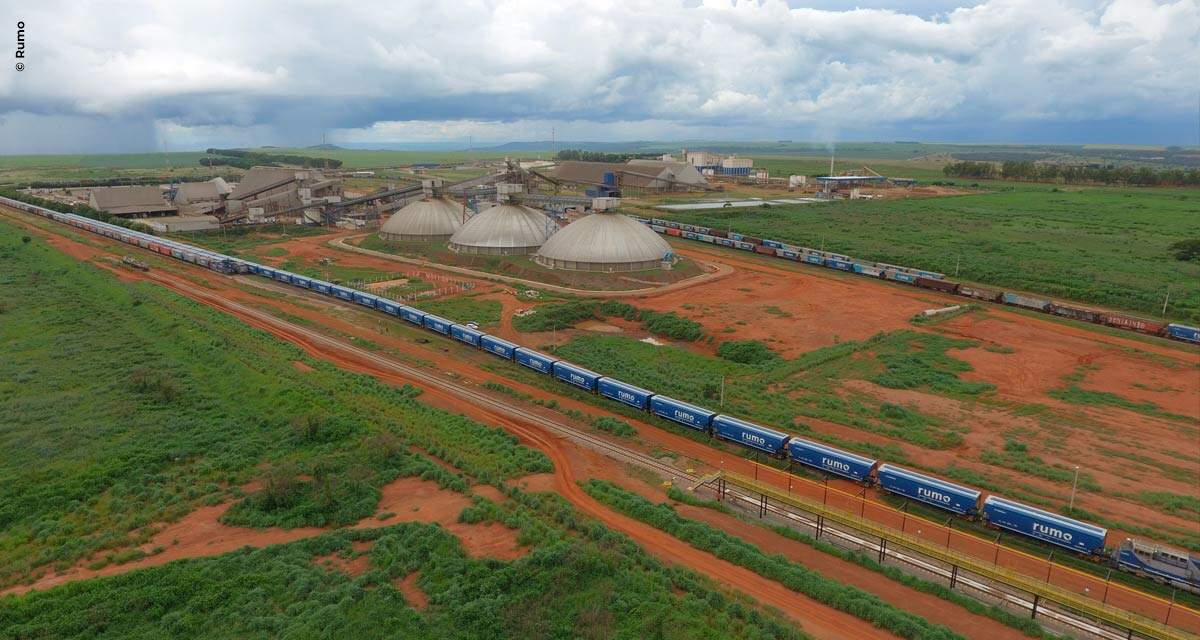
604 242
430 220
505 229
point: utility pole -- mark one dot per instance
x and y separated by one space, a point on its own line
957 262
1166 300
1074 484
722 392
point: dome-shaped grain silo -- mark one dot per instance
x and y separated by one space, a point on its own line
505 229
604 242
429 220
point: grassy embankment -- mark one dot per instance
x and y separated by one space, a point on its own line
133 406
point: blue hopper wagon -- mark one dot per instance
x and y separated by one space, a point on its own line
688 415
466 334
939 493
435 323
624 393
497 346
539 362
835 461
412 315
1049 527
575 375
750 434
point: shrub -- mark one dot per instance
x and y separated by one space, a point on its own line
747 352
672 325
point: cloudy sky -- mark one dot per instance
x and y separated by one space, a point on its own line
135 76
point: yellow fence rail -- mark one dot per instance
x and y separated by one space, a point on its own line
1087 606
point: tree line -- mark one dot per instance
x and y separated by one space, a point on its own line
246 159
599 156
1074 174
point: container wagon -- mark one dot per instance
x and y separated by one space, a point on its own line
1018 300
934 491
1049 527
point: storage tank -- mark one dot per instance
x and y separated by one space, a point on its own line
505 229
607 242
430 220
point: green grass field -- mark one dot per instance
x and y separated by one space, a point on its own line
236 240
1105 246
132 406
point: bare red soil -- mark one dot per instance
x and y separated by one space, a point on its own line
412 593
1048 331
355 565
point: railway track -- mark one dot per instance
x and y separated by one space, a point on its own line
624 454
610 449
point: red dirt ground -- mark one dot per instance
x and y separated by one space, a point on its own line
412 593
353 566
659 437
202 534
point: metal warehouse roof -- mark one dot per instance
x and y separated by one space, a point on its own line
259 179
602 241
120 200
504 229
189 192
851 178
435 218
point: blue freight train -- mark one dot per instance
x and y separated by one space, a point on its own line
1172 567
920 278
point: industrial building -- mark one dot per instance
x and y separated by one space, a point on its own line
428 220
713 164
130 202
200 198
633 176
505 229
606 242
269 191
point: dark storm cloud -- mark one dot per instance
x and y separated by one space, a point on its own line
134 74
